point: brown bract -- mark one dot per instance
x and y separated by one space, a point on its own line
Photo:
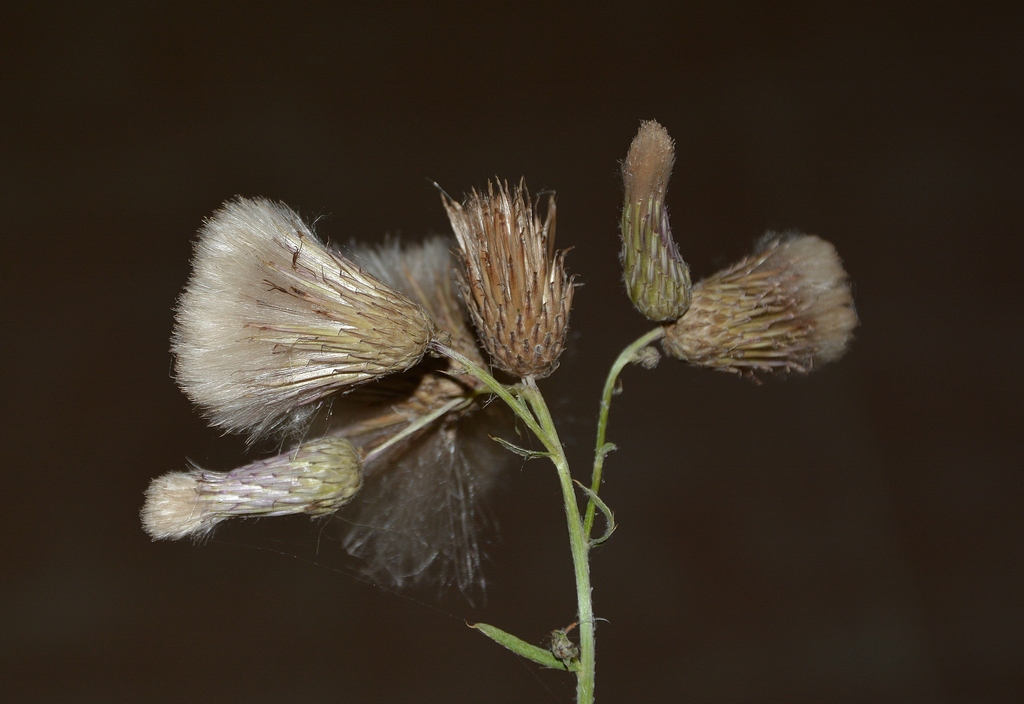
515 284
787 307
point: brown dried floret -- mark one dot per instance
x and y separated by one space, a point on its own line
515 284
787 307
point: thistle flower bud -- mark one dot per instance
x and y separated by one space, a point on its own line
272 320
316 478
787 307
515 284
657 279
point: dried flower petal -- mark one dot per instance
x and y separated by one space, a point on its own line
316 478
515 285
272 320
657 279
787 307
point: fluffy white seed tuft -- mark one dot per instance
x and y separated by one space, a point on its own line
272 320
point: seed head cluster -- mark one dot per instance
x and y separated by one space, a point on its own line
276 331
787 307
268 301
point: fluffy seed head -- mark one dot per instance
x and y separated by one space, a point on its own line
787 307
515 284
315 478
271 320
657 279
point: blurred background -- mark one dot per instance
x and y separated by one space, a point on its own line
850 536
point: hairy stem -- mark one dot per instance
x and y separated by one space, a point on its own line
578 543
528 404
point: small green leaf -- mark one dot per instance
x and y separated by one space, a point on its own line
606 449
522 451
521 647
609 517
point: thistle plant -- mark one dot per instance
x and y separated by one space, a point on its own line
399 373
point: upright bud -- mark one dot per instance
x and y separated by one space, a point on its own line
787 307
514 284
657 279
316 478
272 320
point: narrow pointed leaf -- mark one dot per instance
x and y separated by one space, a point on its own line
521 451
519 646
603 508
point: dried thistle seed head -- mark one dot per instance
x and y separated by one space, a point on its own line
271 320
787 307
657 279
316 478
430 464
514 283
373 414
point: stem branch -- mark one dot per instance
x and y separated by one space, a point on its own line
528 404
578 543
627 356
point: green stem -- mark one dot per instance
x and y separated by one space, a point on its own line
578 543
534 413
491 383
414 427
601 450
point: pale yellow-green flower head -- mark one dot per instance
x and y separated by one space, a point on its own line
657 279
315 478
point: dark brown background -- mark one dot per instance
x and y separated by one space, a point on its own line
852 536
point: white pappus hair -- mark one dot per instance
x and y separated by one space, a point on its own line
271 320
